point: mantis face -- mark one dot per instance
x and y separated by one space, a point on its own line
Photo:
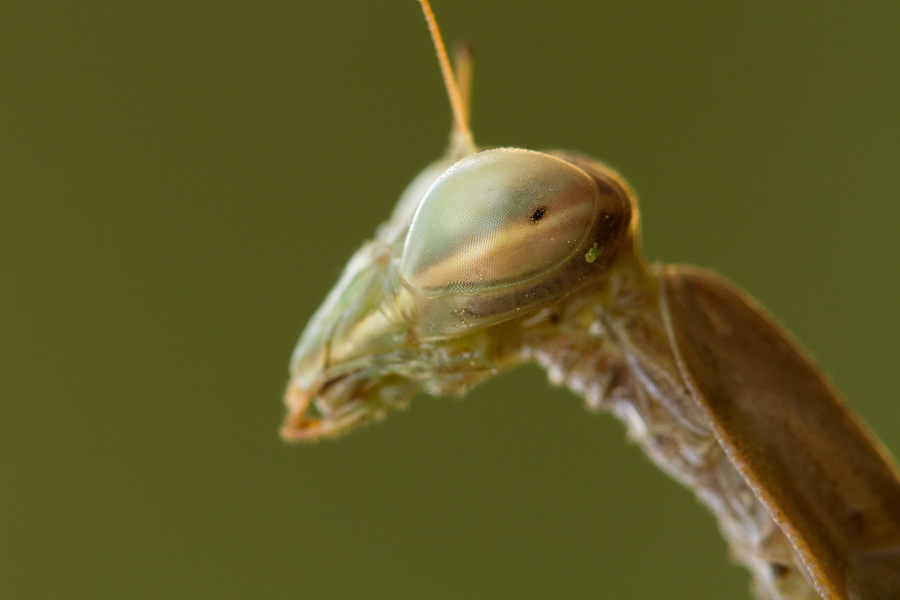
445 297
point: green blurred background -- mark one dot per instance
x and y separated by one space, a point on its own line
181 183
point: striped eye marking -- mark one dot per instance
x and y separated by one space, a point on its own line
497 219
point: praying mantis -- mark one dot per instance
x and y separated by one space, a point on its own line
502 256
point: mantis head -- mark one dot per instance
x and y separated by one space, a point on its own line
480 249
451 295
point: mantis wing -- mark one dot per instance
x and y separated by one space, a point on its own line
824 479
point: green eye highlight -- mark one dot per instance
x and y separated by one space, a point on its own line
496 219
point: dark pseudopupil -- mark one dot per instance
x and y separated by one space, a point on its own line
538 214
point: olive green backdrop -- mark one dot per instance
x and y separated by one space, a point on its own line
181 183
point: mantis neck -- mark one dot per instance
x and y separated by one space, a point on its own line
613 350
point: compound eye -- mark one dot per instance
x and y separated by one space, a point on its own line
496 219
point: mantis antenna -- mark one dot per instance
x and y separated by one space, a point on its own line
461 141
462 61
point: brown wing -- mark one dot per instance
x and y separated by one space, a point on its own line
825 479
